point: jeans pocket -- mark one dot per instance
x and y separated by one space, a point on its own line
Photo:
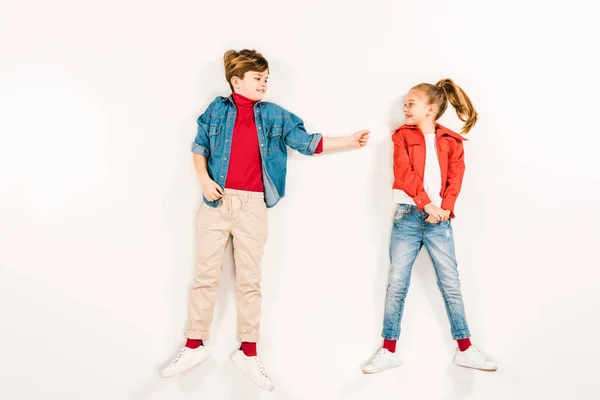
400 213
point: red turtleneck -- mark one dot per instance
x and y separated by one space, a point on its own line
245 167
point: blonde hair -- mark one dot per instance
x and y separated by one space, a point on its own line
447 91
237 63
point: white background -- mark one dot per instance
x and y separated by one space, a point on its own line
98 197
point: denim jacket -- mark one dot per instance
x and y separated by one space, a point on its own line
277 128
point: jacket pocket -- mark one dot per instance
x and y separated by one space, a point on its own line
274 137
214 136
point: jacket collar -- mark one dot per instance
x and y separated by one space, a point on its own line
230 99
440 130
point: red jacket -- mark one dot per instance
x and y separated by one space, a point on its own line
409 164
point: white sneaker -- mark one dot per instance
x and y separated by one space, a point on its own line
472 358
381 361
253 369
186 359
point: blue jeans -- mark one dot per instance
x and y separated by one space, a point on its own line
409 234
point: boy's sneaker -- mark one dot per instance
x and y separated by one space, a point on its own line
186 359
253 369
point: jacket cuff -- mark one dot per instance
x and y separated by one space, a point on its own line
421 200
448 204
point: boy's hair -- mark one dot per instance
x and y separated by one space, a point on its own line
446 90
237 63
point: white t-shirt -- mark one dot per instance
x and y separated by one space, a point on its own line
432 179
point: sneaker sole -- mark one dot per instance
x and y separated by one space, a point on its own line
380 370
186 369
477 369
268 389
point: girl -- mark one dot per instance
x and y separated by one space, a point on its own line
240 155
428 171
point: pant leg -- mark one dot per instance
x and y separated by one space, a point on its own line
249 232
213 231
405 245
439 242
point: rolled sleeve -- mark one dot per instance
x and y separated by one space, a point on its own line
201 143
199 149
296 136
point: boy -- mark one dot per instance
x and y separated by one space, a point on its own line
240 156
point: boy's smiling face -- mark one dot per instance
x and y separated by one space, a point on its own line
252 86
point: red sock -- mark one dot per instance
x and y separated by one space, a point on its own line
390 345
464 344
249 349
193 343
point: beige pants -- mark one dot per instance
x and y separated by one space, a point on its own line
242 215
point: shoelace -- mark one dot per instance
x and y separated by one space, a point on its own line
379 354
179 355
476 351
260 367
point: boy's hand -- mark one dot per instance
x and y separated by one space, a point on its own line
359 139
211 190
436 214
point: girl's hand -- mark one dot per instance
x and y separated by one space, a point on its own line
446 214
432 220
436 214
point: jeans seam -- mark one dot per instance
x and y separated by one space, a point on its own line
397 320
455 332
